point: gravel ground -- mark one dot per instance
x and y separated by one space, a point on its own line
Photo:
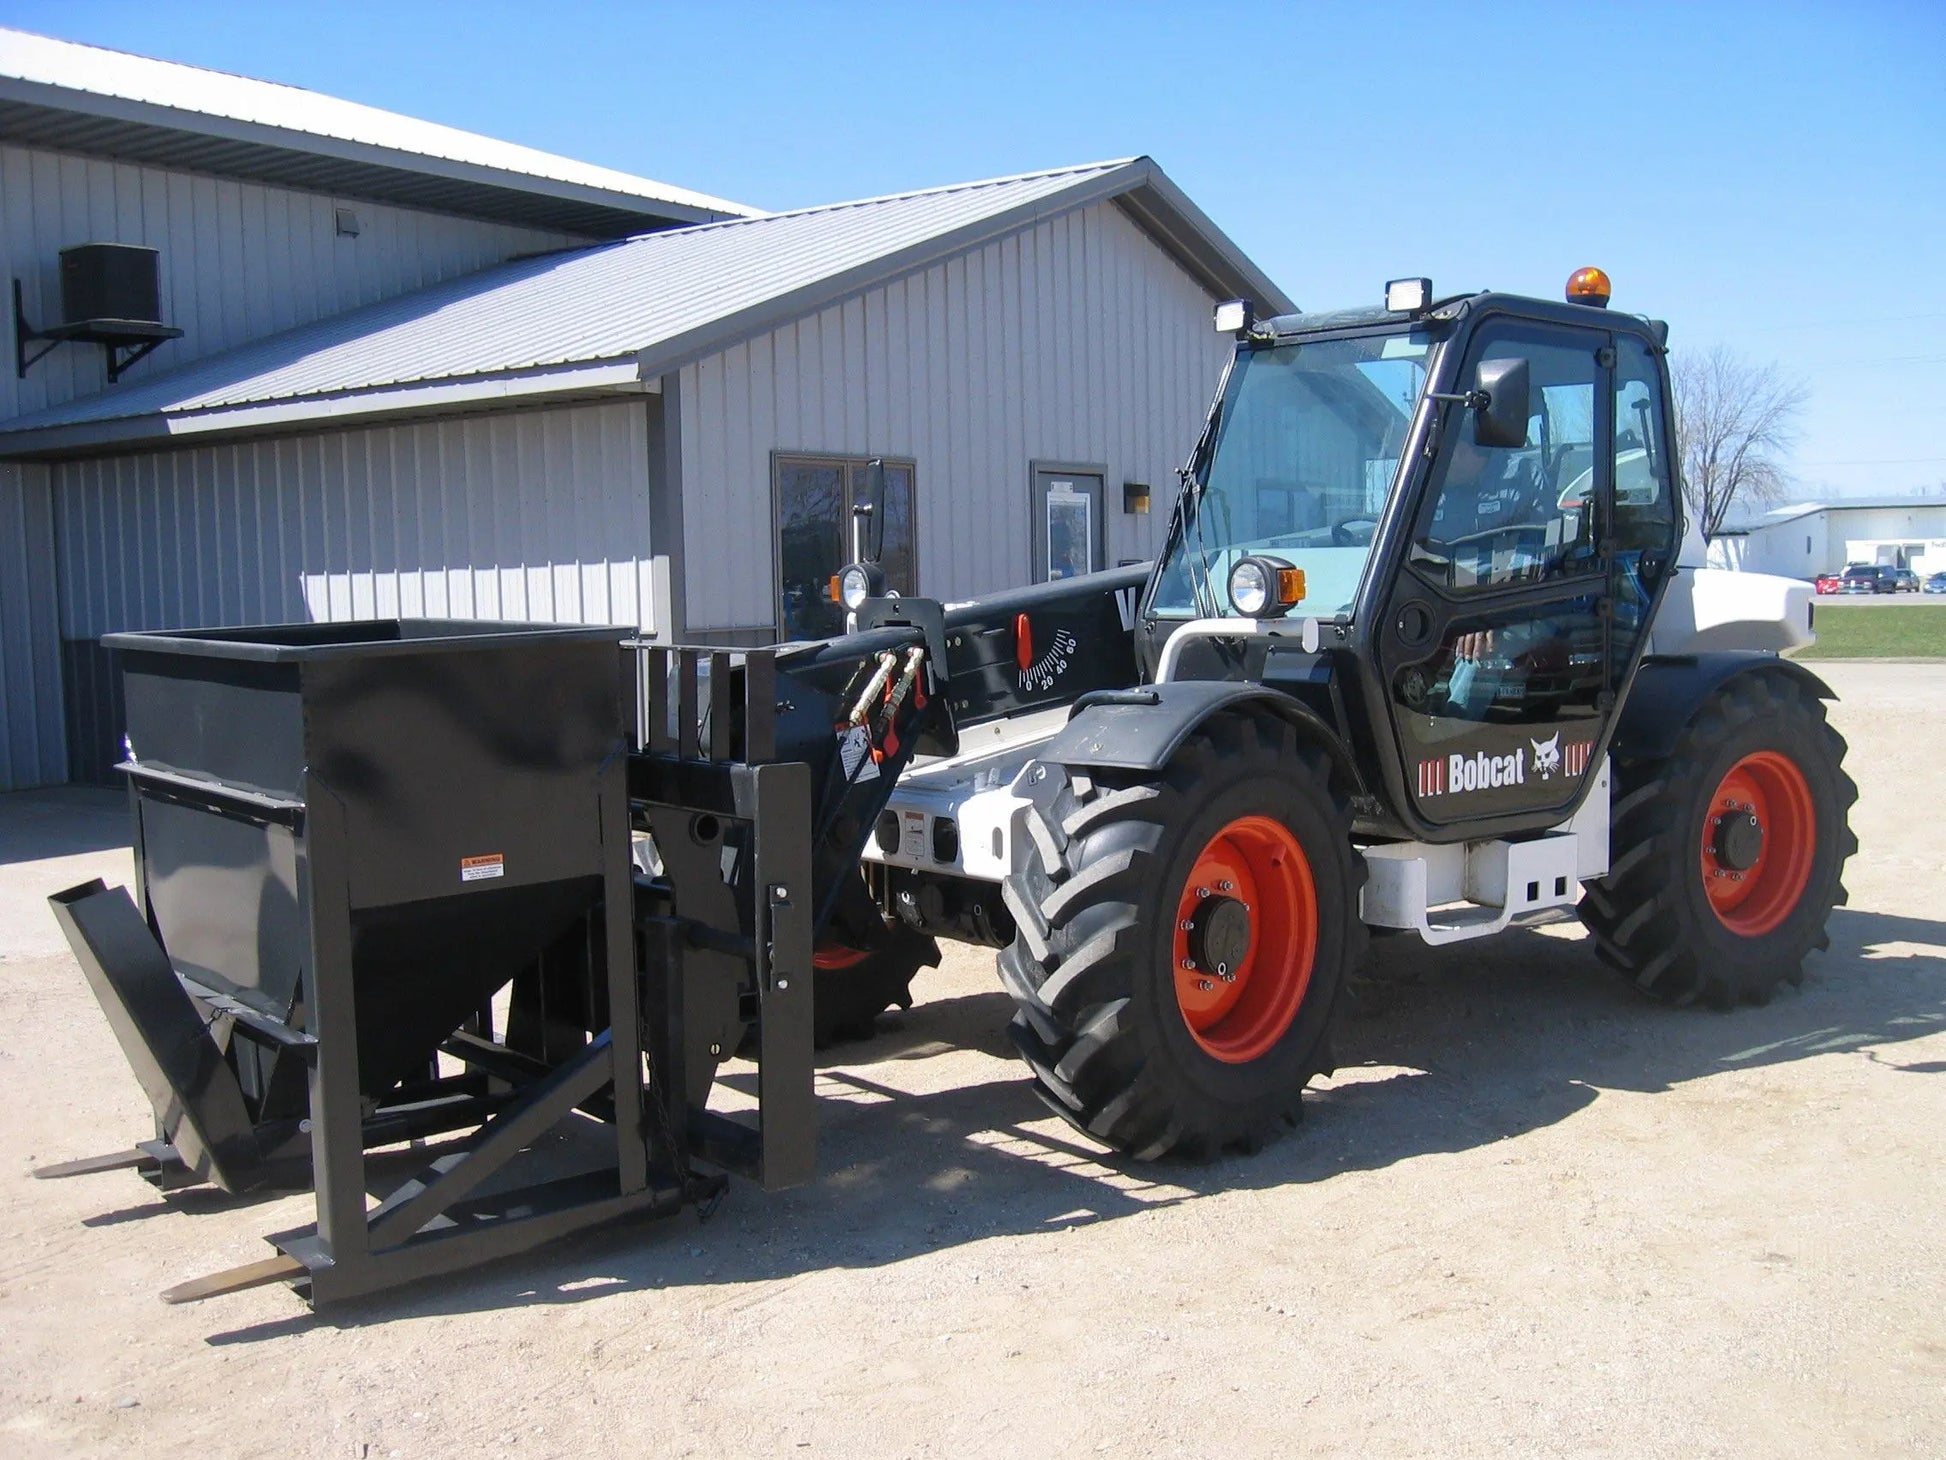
1531 1215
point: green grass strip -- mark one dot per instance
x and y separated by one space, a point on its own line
1854 631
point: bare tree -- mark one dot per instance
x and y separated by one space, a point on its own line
1735 421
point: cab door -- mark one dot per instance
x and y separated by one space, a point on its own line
1495 648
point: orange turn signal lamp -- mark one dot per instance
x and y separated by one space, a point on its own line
1589 286
1264 587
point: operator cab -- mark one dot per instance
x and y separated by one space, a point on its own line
1441 524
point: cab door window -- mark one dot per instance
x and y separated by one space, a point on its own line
1501 516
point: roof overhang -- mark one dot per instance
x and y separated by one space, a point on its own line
552 385
42 115
1187 233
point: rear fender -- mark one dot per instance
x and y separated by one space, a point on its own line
1142 729
1668 692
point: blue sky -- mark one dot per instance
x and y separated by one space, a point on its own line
1769 177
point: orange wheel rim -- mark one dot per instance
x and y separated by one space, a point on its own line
1246 936
836 955
1760 835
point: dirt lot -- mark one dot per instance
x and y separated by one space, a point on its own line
1533 1215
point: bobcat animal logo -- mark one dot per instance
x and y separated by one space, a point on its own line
1547 756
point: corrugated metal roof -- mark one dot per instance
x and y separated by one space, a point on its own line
89 99
655 301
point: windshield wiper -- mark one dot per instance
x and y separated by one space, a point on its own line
1196 481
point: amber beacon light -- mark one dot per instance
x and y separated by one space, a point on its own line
1589 286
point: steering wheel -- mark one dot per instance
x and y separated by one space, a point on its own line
1353 531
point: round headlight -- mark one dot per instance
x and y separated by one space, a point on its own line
1249 588
854 587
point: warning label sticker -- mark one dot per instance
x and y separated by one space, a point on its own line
912 835
854 754
479 869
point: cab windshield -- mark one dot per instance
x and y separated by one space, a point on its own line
1305 445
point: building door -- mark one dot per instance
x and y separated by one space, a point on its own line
1068 525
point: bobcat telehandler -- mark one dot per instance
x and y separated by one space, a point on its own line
1422 653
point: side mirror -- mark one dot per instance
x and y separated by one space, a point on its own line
868 515
1501 419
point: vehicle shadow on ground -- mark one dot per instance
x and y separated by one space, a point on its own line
1442 1050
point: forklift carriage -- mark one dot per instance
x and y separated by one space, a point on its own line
349 838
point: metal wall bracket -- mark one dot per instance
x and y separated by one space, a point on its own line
138 337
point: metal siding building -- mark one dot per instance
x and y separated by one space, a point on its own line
1074 341
456 415
524 515
32 748
239 260
1809 538
277 261
238 184
513 515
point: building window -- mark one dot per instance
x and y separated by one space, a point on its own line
814 497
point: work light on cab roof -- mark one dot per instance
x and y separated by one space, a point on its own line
1408 296
1234 317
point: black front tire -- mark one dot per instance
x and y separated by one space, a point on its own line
1092 967
1652 917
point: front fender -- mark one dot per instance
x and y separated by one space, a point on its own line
1667 692
1142 729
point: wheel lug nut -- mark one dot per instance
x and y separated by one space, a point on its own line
1227 886
1189 965
1204 985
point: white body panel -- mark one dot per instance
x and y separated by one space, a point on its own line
1709 608
1471 889
975 789
1443 893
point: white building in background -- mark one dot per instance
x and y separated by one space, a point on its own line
418 372
1810 538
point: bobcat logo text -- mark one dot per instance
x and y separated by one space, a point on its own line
1541 761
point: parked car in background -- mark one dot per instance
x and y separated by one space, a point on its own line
1828 582
1904 580
1868 578
1935 584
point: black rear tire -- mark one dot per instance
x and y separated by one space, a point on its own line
1092 969
846 1001
1652 917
